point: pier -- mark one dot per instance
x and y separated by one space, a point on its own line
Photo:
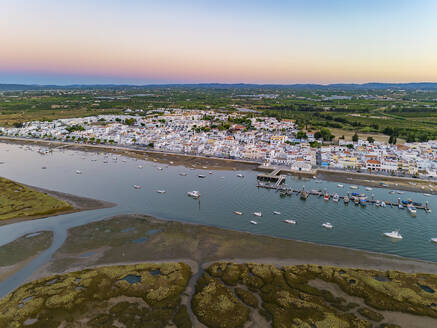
289 191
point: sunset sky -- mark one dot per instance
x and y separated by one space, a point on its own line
248 41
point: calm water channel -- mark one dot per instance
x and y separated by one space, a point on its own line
222 192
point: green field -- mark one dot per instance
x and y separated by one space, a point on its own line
18 201
406 114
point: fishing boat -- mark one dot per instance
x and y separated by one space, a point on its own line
411 210
137 186
346 199
356 201
240 175
276 212
363 201
340 186
326 196
202 176
394 234
336 198
383 204
161 191
253 222
289 221
257 213
193 194
327 225
183 174
238 213
354 187
378 203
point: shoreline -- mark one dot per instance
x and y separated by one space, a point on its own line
217 163
78 203
276 251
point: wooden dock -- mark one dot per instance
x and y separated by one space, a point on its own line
289 191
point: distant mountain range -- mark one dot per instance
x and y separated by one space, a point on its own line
338 86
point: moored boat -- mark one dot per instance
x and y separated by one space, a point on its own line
276 212
394 234
240 175
253 222
161 191
289 221
193 194
327 225
257 214
137 186
202 176
238 213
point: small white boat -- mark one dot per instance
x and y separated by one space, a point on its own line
253 222
160 168
383 204
210 172
137 187
401 206
204 167
140 166
240 175
257 214
400 192
434 240
161 191
340 186
412 210
183 174
336 198
193 194
368 189
171 162
289 221
78 172
276 212
353 187
394 234
327 225
238 213
427 195
202 176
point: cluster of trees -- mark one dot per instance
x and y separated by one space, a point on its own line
75 127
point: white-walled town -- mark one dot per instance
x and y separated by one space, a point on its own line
264 140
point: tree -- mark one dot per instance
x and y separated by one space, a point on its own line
326 134
411 137
370 140
355 137
301 135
